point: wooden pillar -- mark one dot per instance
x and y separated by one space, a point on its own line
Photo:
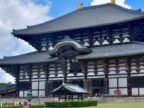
56 69
110 36
85 69
46 69
90 36
65 71
29 71
130 31
72 96
16 68
69 97
85 76
81 97
87 82
117 72
129 78
65 97
78 96
106 83
49 88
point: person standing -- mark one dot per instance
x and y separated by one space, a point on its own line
26 105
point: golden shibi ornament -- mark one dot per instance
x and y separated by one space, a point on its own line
113 1
80 6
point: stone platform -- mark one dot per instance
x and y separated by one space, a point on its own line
16 101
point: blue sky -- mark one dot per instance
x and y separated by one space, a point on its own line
61 7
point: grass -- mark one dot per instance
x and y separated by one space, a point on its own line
129 105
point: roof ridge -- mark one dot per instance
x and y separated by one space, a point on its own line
116 6
83 18
128 10
84 8
7 57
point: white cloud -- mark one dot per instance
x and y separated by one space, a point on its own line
6 77
118 2
16 14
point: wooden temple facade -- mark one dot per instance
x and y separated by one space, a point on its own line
105 48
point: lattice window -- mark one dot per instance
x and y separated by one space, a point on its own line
23 93
100 67
125 35
116 36
43 44
41 93
91 68
38 88
122 66
42 71
96 39
52 70
86 41
59 71
50 46
113 82
124 91
35 71
34 85
42 85
112 92
105 38
112 67
135 91
122 82
134 65
34 93
118 83
23 72
141 64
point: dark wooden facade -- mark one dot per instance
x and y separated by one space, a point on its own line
102 76
119 73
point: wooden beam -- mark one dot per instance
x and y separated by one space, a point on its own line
129 77
106 87
30 75
17 79
46 70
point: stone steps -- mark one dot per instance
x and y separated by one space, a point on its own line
100 100
120 100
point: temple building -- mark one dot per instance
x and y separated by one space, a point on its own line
100 48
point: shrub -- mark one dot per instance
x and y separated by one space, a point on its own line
37 106
72 103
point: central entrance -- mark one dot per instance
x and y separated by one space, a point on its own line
67 51
98 87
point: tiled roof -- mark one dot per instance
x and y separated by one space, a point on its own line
97 52
71 88
34 57
68 41
115 51
8 87
87 17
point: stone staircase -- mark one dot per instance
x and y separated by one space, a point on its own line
120 99
99 99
